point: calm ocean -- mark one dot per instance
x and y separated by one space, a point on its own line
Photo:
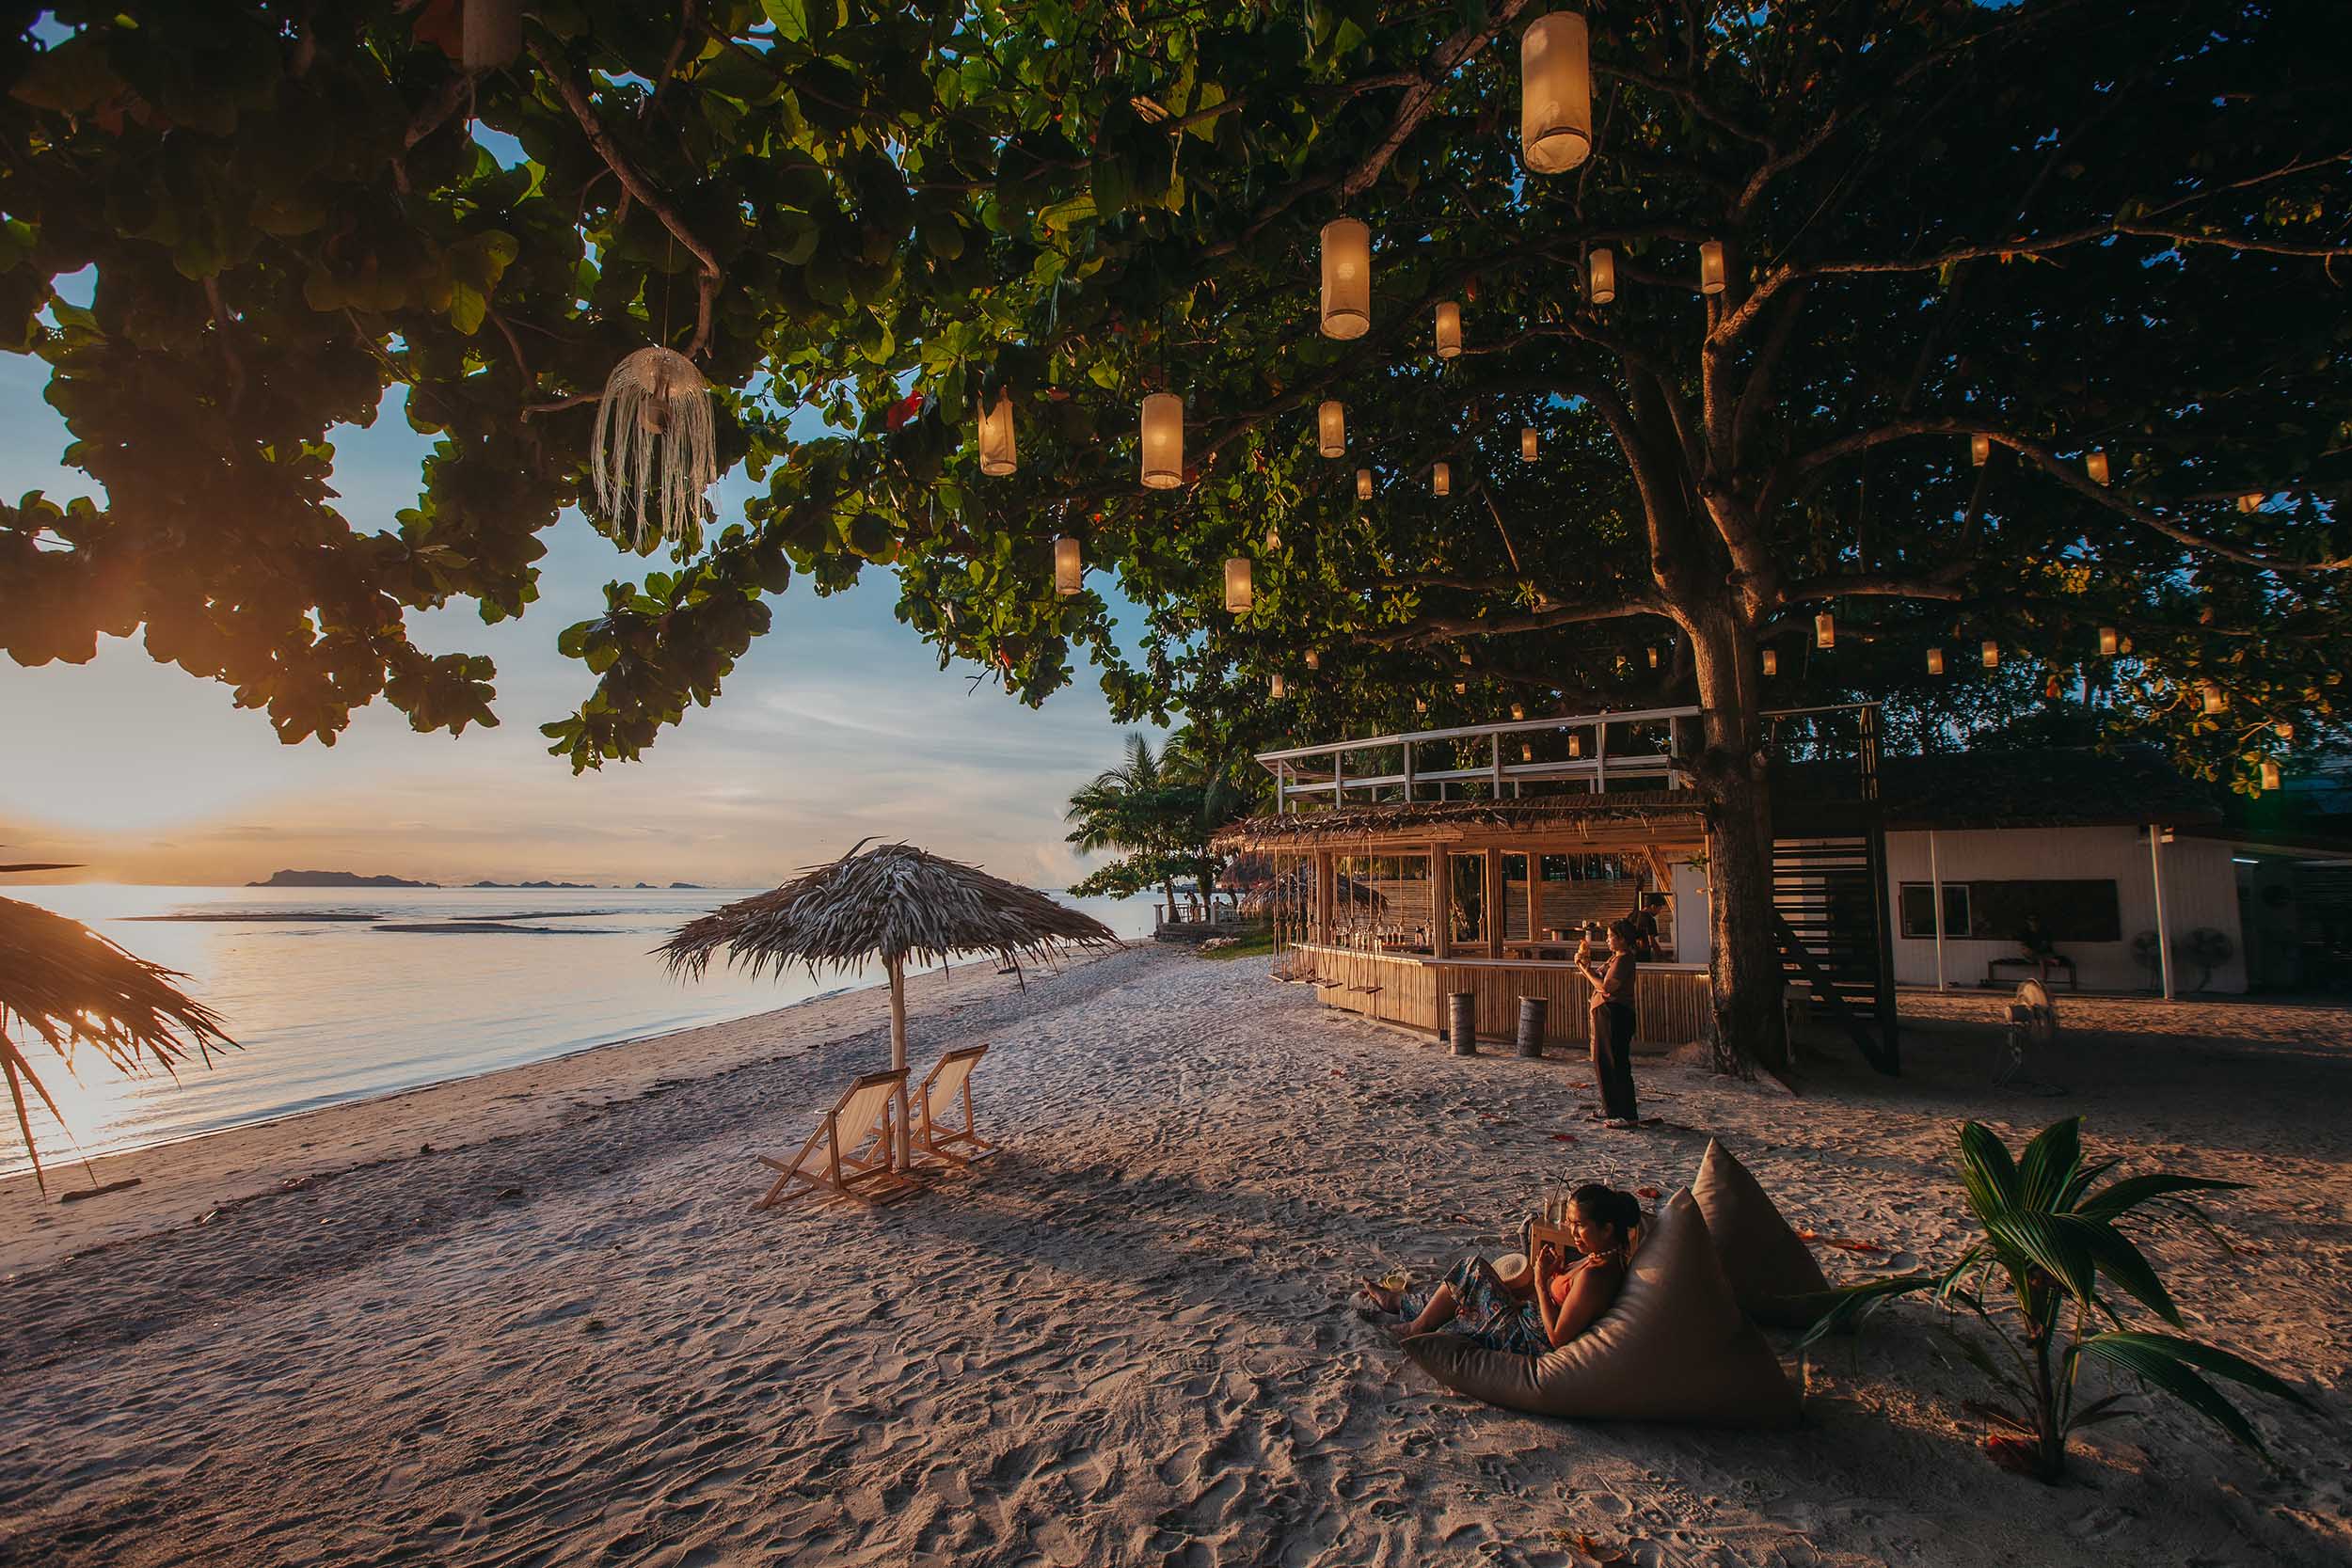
342 993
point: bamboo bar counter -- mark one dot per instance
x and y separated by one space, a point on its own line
1410 989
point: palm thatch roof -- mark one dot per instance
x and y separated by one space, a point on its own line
1665 809
68 986
1294 888
894 902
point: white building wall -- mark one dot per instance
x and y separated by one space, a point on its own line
2200 889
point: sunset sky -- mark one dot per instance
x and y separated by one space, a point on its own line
838 724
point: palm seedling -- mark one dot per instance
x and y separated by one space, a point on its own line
2038 1281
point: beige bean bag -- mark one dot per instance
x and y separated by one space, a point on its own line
1772 1272
1674 1347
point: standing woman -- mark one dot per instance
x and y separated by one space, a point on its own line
1613 1023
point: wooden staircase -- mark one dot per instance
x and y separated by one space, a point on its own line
1830 899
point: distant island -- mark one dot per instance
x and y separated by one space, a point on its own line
334 879
534 884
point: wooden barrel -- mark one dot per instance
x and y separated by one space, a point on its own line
1532 1010
1462 1007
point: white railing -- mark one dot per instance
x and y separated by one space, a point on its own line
1307 773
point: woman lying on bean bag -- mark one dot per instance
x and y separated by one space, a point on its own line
1502 1309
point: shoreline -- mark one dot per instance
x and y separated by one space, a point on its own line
192 1177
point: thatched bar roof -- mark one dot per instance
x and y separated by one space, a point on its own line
1668 814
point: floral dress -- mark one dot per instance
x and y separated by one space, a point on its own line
1484 1312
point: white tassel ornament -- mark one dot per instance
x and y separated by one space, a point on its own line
656 447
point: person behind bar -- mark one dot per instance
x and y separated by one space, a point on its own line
1612 1022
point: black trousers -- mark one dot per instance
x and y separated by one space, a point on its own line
1613 1058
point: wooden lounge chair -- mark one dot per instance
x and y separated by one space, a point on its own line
937 1134
854 1158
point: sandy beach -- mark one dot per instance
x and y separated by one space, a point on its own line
565 1336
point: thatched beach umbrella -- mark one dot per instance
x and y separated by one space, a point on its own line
66 986
894 902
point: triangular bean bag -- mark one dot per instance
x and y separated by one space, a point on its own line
1772 1272
1674 1347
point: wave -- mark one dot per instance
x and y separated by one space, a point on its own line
477 925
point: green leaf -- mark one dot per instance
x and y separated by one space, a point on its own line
2042 1241
2166 1364
1849 1304
2131 1191
1986 1170
2049 1164
790 17
2123 1263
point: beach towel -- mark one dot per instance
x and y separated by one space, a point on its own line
1772 1271
1674 1347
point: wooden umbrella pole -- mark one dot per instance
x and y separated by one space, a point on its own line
898 1052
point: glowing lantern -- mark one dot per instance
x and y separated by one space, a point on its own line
1576 743
1825 630
1771 662
1421 706
1527 753
1331 428
1277 687
2250 501
998 456
1449 329
2215 700
491 34
1601 277
1518 710
1464 655
1347 279
1314 659
1653 658
1527 445
1363 484
1991 651
1273 537
1555 94
2096 464
2270 774
1936 661
2108 640
1440 481
1711 267
1069 565
1461 689
1979 449
1237 591
1163 441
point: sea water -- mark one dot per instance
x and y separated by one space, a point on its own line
336 994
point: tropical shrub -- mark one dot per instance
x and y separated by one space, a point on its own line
2038 1282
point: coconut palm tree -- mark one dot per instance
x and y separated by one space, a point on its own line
1138 810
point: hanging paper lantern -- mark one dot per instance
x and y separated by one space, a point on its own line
2250 501
1440 481
1991 653
1314 659
1771 662
1068 566
1825 630
1527 753
1463 655
1711 267
1421 706
1461 689
1555 94
1331 428
1363 484
1518 710
2108 641
2096 464
1347 279
1449 329
1527 444
1576 743
2215 700
1163 441
1276 687
491 34
655 443
998 456
1238 597
2283 729
1601 277
1979 449
2270 774
1936 661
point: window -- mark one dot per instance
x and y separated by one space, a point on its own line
1918 905
2083 909
1469 900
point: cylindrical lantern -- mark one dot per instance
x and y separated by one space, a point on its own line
2108 640
1771 662
1979 448
1518 710
1449 329
1069 565
1527 444
1363 484
997 454
1576 743
1237 591
1421 706
1347 279
490 34
1711 267
2283 729
1163 441
1314 659
1936 661
1440 481
1825 630
1527 753
1463 655
1601 277
2270 774
2250 501
2097 466
1276 686
1991 653
2215 700
1461 689
1555 94
1653 658
1331 428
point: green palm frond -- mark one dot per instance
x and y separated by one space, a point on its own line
1986 1170
2049 1165
2172 1365
2130 1192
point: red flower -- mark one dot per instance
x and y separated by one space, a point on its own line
903 410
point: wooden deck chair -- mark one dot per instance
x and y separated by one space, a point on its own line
855 1154
937 1134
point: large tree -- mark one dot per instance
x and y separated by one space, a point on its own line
2063 226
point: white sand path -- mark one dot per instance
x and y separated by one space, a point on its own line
1120 1341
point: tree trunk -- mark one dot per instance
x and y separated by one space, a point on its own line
1168 889
1746 966
902 1154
